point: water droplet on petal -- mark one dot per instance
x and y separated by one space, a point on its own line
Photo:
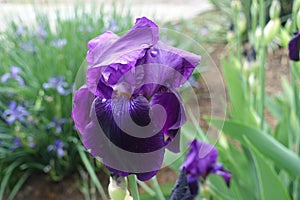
103 100
123 62
153 53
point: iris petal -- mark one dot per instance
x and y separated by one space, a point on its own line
81 108
294 47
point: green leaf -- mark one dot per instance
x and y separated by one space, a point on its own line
270 185
264 143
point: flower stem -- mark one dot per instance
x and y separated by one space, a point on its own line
159 194
133 187
262 54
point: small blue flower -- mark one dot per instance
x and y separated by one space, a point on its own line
56 124
15 112
20 30
13 74
59 43
58 147
17 143
41 32
31 142
59 84
28 47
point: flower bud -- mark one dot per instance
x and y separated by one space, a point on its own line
275 9
117 188
270 30
254 9
296 5
236 5
284 37
242 23
288 25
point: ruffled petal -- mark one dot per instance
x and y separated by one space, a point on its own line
123 54
98 45
81 108
294 46
165 66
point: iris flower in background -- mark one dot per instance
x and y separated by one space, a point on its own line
14 75
41 32
201 161
28 46
59 43
15 112
294 46
129 104
16 144
56 124
59 84
57 146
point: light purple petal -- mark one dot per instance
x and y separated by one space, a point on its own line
81 108
5 77
123 54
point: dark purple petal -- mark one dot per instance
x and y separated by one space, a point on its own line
175 115
200 158
118 160
219 169
193 182
114 117
294 46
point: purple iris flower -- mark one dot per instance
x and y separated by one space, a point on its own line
59 43
59 84
294 46
56 124
129 110
58 147
15 112
13 74
201 161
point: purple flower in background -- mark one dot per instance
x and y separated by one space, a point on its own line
59 43
15 112
130 102
294 46
20 30
13 74
17 143
41 32
201 161
56 124
58 147
28 47
59 84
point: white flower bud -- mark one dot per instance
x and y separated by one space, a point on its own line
117 188
275 9
270 30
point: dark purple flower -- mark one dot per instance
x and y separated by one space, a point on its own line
129 110
15 112
201 161
58 147
13 74
28 46
59 84
56 124
294 46
59 43
181 190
